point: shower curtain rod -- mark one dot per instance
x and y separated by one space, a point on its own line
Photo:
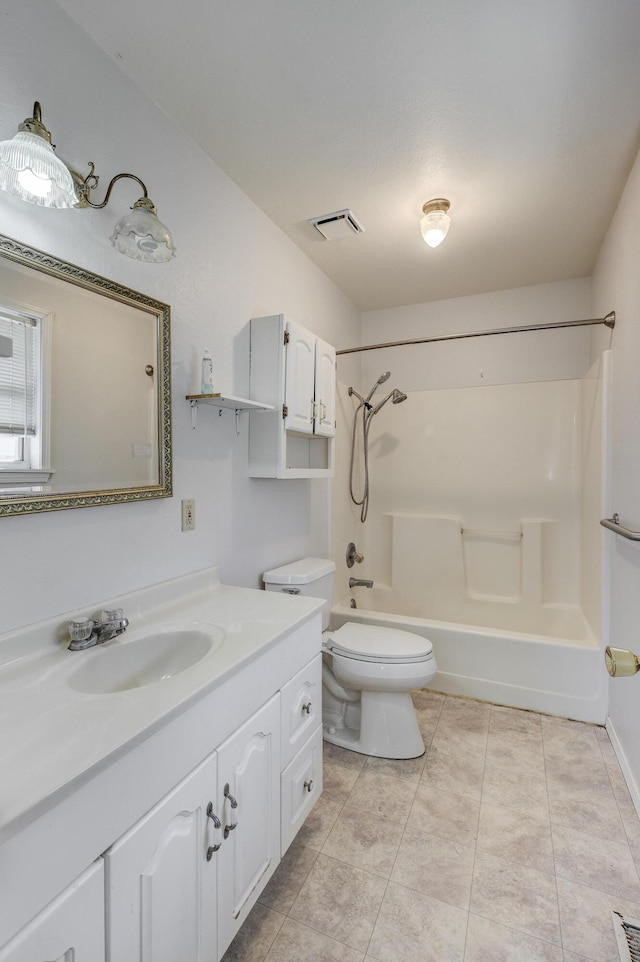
608 321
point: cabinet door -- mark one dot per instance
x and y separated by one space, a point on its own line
161 889
70 929
249 774
299 379
325 381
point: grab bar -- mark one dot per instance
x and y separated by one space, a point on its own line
613 524
495 535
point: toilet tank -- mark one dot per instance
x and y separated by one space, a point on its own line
308 576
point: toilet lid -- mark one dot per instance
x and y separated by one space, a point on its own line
374 643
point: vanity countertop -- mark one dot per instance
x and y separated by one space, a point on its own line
52 736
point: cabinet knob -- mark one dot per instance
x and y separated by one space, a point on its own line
306 708
309 785
217 825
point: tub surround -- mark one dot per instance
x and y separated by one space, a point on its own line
559 676
79 769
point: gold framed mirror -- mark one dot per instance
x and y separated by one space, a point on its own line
85 387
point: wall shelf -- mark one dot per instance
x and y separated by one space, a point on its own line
220 401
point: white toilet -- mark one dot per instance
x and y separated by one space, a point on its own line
368 671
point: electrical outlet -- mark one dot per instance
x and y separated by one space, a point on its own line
188 514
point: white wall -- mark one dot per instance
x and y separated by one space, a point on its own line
501 359
232 264
616 286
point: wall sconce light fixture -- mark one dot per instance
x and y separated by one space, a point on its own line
31 171
436 221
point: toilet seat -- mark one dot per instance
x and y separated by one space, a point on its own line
373 643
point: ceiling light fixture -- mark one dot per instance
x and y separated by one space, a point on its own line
436 221
31 171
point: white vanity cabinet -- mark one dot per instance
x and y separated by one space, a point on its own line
182 881
249 794
294 371
161 878
69 929
183 823
301 744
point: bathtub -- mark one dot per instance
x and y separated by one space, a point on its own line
562 676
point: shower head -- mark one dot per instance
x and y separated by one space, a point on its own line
395 396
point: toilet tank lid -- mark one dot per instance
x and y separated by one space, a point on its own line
302 572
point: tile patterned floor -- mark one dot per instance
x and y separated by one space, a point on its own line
510 841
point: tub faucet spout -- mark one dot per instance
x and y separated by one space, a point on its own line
360 583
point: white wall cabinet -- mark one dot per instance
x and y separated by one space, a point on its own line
294 371
69 929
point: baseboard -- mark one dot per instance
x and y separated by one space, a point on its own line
624 765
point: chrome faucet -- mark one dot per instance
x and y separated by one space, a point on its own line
360 583
87 632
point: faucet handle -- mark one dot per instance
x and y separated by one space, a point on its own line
81 630
81 633
112 614
353 555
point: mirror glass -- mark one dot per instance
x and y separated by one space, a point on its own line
84 387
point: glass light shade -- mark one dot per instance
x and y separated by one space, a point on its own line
30 170
434 227
140 235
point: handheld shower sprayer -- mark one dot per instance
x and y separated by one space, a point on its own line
365 400
383 377
368 410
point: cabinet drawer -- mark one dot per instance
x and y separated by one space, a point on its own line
301 785
301 708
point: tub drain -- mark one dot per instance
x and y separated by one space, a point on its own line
627 936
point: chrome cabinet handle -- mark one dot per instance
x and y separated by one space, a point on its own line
323 411
232 806
314 409
306 708
217 825
309 785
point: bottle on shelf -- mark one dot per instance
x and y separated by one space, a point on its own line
206 376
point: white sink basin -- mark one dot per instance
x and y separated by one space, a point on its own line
141 661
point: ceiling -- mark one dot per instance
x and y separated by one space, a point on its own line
525 115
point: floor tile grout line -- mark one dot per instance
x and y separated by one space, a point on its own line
475 847
553 850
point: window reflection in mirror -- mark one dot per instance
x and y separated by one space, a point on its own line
83 388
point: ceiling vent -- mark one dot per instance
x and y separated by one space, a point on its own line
340 224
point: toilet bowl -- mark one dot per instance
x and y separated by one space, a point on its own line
368 672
